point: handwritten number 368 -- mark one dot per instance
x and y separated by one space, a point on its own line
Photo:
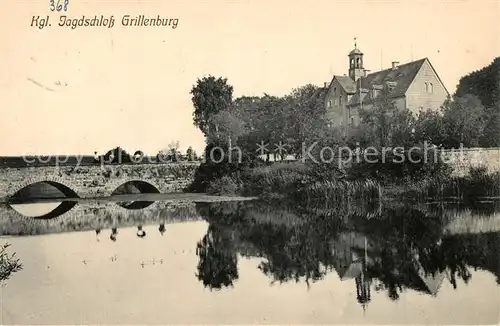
59 6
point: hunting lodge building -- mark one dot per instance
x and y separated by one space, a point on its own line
414 85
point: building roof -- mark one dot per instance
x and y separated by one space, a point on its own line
347 83
355 51
321 93
402 77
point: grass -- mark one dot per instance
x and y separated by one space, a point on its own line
478 184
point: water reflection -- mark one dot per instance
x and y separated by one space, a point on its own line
218 264
86 216
114 233
162 228
406 247
381 251
44 210
140 232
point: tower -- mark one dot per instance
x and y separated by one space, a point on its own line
356 69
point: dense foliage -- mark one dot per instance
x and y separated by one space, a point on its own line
264 127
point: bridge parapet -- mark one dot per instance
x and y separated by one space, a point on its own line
96 180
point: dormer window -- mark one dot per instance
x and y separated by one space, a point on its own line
390 86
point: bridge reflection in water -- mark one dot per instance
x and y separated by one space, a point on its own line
390 251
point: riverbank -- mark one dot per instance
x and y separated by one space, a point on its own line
300 181
169 197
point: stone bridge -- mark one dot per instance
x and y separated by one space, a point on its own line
92 181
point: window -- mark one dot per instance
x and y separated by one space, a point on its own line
429 88
340 100
334 90
329 103
335 101
352 121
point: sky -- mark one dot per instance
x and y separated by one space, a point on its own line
77 91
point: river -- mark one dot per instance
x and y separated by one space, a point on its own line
252 262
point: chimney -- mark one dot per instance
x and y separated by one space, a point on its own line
366 71
326 85
395 65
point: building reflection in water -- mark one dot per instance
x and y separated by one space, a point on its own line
407 249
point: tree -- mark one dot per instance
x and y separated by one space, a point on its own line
9 264
491 133
429 127
117 155
483 83
463 121
386 124
173 153
210 96
228 126
304 116
191 154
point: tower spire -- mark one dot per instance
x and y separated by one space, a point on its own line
356 69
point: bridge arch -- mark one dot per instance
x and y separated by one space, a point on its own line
142 186
64 185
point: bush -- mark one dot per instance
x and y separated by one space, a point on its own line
210 171
225 185
395 169
276 180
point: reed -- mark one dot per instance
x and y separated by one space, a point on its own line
342 190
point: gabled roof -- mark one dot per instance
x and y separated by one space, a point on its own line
402 77
346 82
321 93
